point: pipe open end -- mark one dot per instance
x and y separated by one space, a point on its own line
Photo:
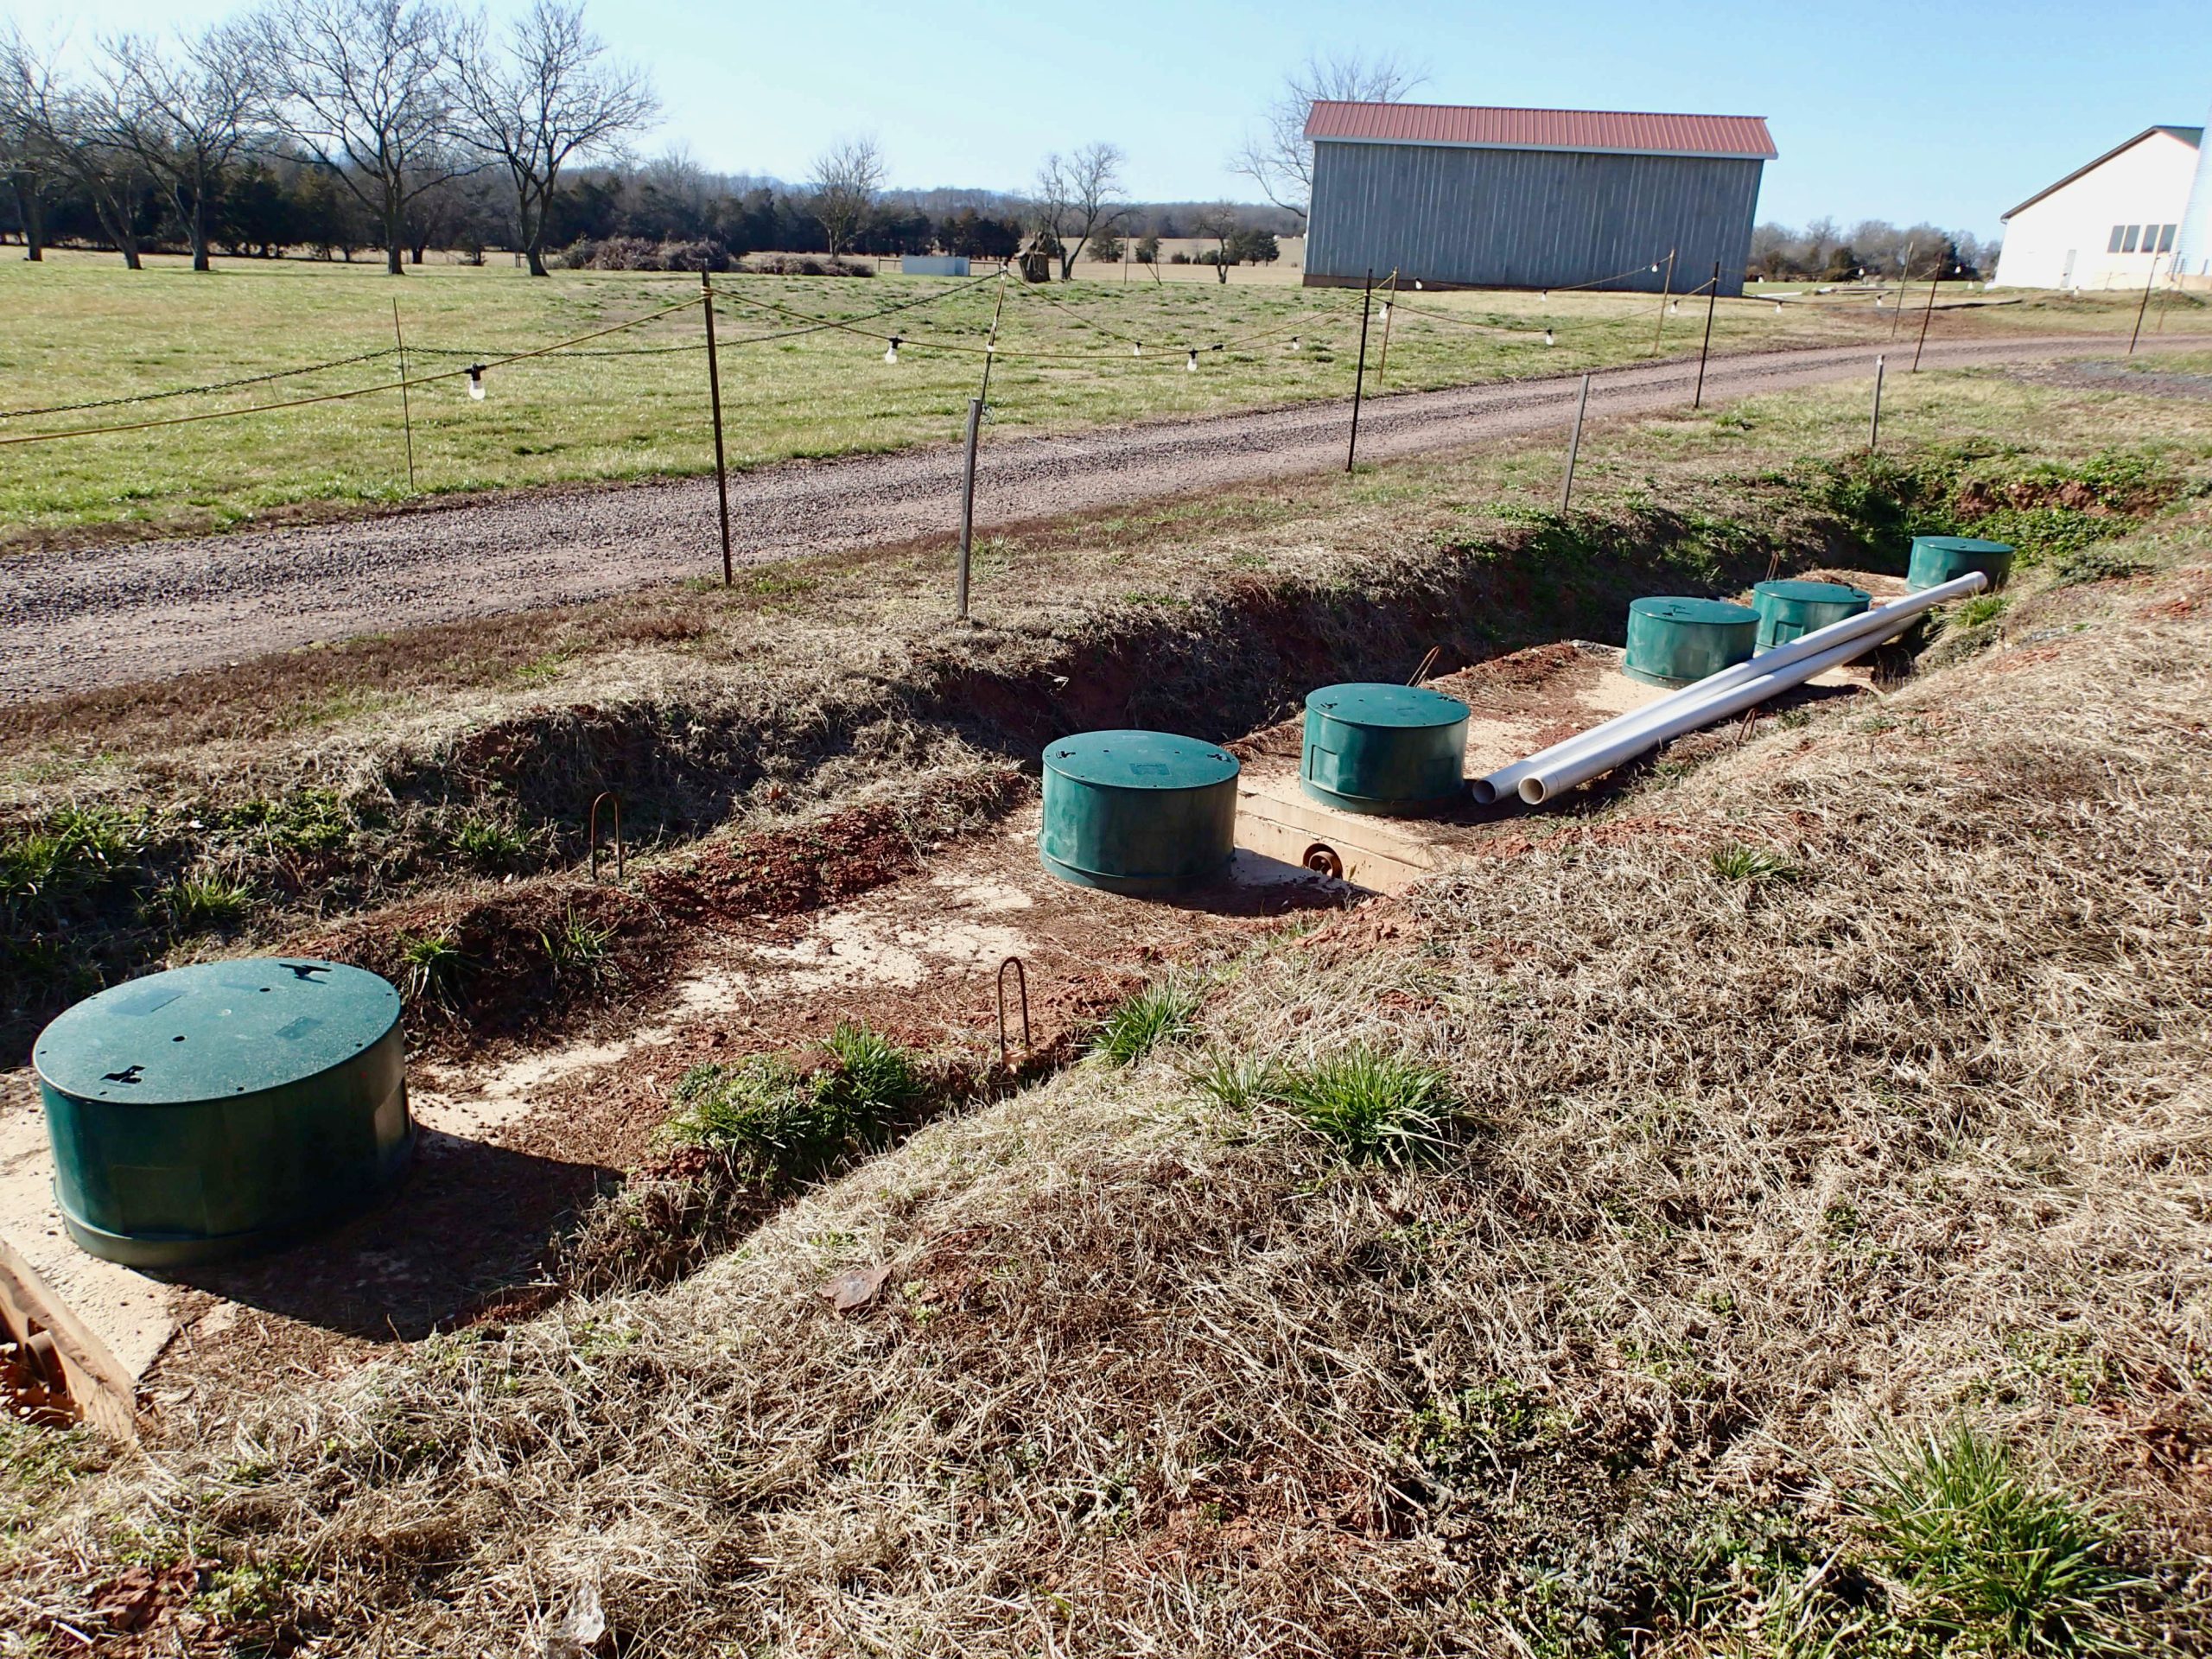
1532 791
1482 792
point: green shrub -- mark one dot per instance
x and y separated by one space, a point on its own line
1159 1013
1987 1558
1376 1107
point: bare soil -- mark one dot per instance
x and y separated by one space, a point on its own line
71 620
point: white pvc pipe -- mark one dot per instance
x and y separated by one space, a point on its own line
1541 786
1879 620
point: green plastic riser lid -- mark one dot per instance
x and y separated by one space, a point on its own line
215 1029
1135 759
1379 704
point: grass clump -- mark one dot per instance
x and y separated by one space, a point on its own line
1376 1107
577 946
490 845
1985 1557
2089 564
431 967
1753 865
203 903
779 1122
47 870
1977 611
1158 1014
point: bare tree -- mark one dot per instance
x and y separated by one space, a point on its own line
1278 158
1075 199
23 159
366 88
847 175
183 117
550 97
67 132
1221 222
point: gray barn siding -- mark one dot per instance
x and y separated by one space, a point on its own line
1527 218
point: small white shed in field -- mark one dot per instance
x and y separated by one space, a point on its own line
2116 223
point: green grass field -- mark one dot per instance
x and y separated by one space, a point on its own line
82 329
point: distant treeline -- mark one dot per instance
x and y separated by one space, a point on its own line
1874 247
271 204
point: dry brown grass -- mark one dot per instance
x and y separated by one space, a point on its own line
1906 1124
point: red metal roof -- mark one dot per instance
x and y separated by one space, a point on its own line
1609 131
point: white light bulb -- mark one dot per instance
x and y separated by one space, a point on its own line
1417 285
1778 307
1386 310
1136 351
1294 342
1548 341
1193 365
476 382
1674 307
890 352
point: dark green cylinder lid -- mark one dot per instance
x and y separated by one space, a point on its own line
1138 812
221 1107
1939 559
214 1030
1379 747
1675 641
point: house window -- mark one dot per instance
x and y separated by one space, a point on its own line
2128 246
2118 232
2166 238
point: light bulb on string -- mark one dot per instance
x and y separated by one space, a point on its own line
1136 351
1386 310
476 381
1674 307
890 352
1294 342
1417 288
1548 339
1193 365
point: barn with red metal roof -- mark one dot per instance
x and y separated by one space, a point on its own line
1479 196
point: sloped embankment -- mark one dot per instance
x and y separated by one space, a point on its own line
1847 1089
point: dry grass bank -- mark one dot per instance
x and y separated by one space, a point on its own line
1842 1087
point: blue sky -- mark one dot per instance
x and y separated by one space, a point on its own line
1941 110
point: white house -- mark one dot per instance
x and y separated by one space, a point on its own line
2117 222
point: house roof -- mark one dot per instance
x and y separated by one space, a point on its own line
2193 136
1619 132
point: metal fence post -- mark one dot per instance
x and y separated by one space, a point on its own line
1874 426
968 507
715 393
1359 378
1712 299
1574 445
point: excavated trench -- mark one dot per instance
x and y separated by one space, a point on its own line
541 1084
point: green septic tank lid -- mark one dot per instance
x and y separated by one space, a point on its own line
1714 612
1812 593
1964 544
213 1030
1362 703
1132 760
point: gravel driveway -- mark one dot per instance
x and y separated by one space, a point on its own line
74 619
